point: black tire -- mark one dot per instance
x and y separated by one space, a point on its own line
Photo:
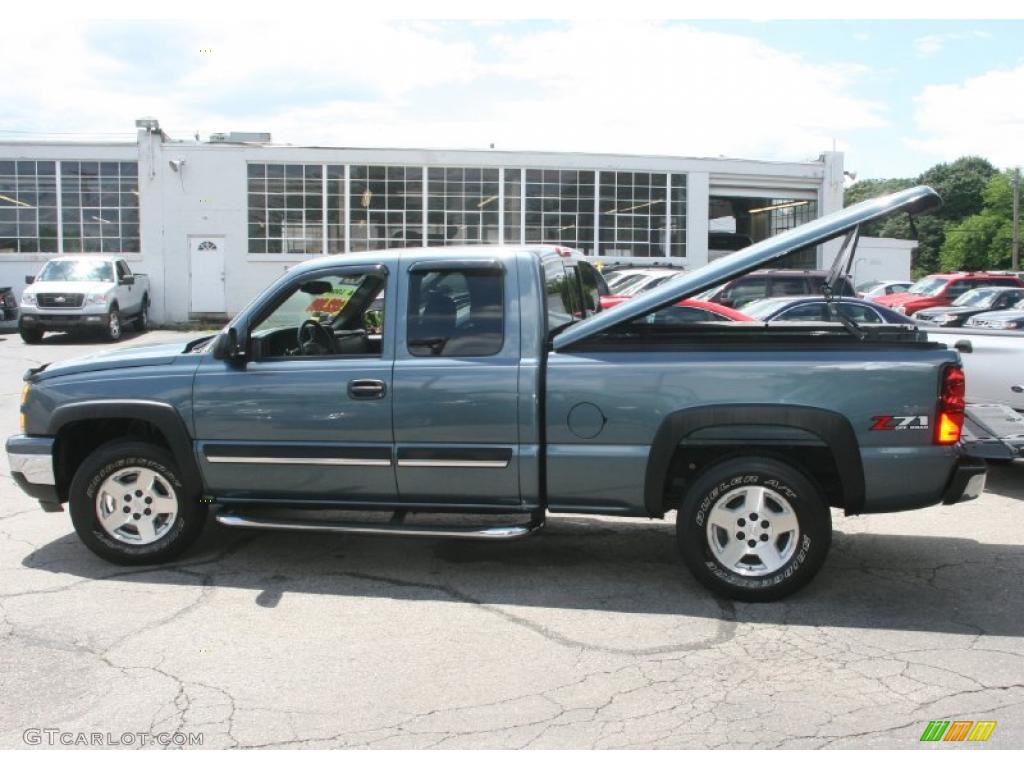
31 335
105 463
142 319
721 493
114 329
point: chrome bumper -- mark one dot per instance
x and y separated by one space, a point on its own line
33 458
31 462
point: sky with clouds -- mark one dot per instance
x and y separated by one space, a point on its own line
895 96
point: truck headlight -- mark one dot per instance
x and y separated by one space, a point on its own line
97 298
28 299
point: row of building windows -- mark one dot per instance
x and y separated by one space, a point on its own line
308 209
75 206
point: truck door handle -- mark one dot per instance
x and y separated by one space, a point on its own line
1017 389
366 389
964 345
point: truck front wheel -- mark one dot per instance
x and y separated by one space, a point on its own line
129 507
30 335
114 329
753 529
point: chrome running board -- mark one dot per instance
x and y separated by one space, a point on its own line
496 533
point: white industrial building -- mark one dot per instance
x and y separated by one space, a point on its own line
212 222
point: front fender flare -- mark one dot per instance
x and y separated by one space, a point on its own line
163 416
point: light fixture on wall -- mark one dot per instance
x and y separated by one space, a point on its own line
176 165
779 207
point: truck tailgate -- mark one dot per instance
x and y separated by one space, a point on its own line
993 431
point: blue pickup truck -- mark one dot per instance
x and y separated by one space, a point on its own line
486 381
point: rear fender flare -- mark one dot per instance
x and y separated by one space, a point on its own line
833 429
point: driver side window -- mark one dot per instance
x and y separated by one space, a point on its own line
333 315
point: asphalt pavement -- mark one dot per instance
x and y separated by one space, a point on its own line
591 634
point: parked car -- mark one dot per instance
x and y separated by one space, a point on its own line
992 363
98 293
494 389
686 311
972 303
637 281
876 288
816 309
942 290
773 282
1011 319
8 304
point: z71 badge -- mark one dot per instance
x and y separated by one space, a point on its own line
897 423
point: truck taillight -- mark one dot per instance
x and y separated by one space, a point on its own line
951 406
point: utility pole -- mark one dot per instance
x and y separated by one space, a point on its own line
1015 253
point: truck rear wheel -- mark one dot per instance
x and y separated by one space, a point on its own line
142 319
753 529
129 507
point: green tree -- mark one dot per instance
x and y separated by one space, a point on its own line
868 188
983 240
967 243
963 185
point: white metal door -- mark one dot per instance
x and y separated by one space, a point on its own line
206 258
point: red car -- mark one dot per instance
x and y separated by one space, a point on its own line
685 311
943 290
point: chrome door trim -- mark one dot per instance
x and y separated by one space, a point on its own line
299 460
462 463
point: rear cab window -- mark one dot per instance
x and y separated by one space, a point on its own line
457 312
592 285
789 286
564 296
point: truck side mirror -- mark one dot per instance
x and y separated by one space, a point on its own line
230 346
128 280
29 279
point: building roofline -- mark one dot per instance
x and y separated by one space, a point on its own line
64 143
597 156
499 156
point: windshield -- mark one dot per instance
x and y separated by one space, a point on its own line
301 306
979 297
617 277
619 286
929 286
85 271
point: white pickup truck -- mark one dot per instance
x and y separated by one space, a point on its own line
993 361
84 292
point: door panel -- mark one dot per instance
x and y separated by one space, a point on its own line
290 429
456 401
311 419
